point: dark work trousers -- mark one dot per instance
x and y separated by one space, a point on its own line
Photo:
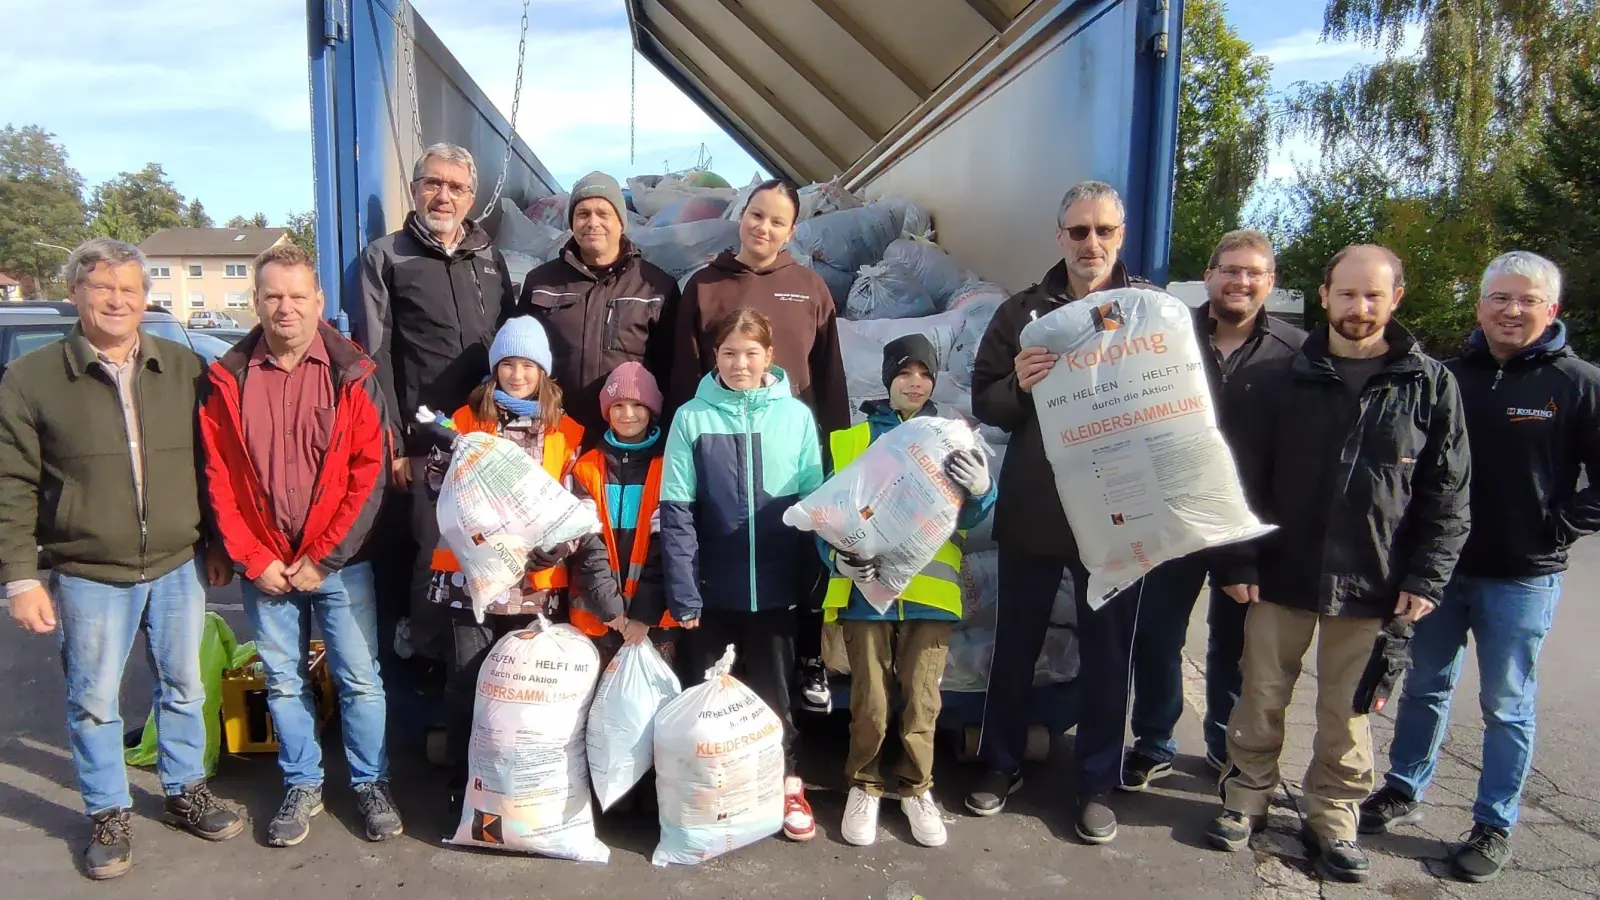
1165 605
429 621
1224 667
1027 589
763 646
466 648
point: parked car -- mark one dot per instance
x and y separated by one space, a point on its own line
211 318
210 344
25 328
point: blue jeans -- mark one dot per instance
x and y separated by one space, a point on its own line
346 609
1167 599
1509 619
99 622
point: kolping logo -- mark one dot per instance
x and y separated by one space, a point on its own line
1109 317
1523 414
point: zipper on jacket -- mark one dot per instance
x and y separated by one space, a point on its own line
1498 374
750 496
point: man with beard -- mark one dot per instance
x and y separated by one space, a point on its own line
1037 548
1235 328
601 304
1357 451
1533 413
434 294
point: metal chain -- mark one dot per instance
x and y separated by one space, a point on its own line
406 41
633 101
516 103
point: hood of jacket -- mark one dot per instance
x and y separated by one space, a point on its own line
724 398
1552 343
473 237
1404 353
882 414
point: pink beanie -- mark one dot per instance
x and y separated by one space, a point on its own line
631 381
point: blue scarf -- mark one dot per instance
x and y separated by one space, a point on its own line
528 409
644 443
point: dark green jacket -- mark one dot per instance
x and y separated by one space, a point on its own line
66 478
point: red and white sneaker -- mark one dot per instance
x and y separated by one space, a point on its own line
798 822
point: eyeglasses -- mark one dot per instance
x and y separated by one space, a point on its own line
1243 272
1081 232
1526 301
435 185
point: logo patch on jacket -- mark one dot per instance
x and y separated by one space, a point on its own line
1523 414
792 298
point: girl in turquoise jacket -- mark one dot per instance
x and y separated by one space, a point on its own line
740 453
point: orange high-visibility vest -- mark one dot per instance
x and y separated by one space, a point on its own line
590 472
558 448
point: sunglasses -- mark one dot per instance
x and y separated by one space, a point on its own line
1081 232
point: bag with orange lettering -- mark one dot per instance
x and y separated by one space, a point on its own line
1131 434
893 503
719 769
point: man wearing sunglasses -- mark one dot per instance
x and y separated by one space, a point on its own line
1235 328
434 292
1037 549
1533 416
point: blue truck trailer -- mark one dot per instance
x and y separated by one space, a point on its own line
983 112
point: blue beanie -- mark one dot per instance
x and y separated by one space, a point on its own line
524 337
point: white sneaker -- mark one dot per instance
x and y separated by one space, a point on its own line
927 823
860 825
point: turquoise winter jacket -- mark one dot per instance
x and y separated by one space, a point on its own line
735 461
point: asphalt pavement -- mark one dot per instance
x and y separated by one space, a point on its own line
1028 851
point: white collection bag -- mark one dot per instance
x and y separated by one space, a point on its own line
893 503
719 769
496 505
1142 469
621 733
527 782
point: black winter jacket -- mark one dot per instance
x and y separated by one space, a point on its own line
1271 342
430 316
1028 514
598 321
1533 422
1369 495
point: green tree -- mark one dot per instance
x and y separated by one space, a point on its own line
1555 211
135 205
259 220
303 231
1322 212
41 200
195 215
1223 130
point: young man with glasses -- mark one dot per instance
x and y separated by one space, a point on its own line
1037 549
1240 336
1533 416
434 292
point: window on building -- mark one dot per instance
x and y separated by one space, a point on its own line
197 299
162 300
196 270
237 301
234 270
160 271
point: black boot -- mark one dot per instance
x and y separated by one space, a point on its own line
199 812
377 807
1337 859
110 850
1485 852
1386 810
1231 831
988 797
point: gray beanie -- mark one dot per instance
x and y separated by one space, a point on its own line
597 184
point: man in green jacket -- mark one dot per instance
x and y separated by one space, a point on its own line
99 467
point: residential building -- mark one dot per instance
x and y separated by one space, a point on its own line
194 269
10 289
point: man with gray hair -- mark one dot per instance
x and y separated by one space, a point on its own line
434 293
99 466
1037 549
1533 418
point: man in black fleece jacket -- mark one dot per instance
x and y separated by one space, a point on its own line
1533 416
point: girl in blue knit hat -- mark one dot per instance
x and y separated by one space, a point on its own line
521 403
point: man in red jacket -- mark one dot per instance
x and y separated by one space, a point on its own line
296 433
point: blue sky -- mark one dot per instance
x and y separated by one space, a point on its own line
216 91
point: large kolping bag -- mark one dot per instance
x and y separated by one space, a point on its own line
621 734
893 503
1142 469
719 769
527 780
496 505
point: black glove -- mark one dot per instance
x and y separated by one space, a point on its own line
1391 657
860 571
544 559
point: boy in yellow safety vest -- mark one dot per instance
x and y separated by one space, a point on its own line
908 641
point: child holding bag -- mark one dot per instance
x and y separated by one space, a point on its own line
741 453
520 403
